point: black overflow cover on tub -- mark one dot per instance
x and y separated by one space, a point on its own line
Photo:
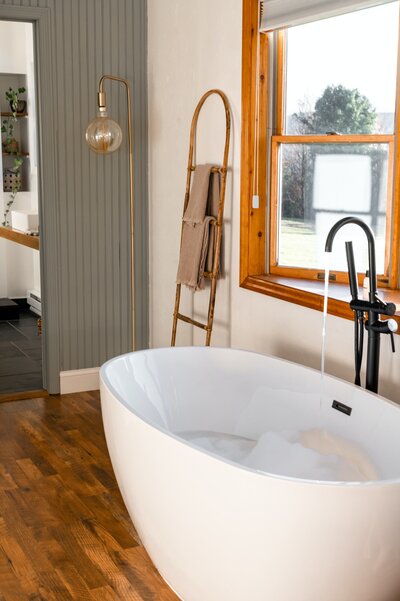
342 407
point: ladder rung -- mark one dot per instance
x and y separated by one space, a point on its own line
214 169
193 322
213 220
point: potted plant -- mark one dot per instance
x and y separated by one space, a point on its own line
8 143
17 105
12 177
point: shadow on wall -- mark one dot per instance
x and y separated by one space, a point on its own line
345 371
298 354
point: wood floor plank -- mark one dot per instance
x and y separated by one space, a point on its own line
65 534
111 502
30 470
108 522
20 565
141 574
75 584
39 557
6 482
11 587
92 575
105 593
96 552
52 587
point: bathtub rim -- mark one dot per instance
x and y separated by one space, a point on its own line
336 483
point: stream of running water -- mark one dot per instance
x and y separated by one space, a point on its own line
327 258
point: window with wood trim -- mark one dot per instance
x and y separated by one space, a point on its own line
320 124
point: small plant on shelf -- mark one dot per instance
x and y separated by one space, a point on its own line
16 104
10 146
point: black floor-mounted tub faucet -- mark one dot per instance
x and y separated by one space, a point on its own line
374 306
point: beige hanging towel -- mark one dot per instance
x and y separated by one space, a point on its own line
204 196
212 209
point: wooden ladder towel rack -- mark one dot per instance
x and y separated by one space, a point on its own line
212 275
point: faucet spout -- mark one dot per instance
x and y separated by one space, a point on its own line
371 249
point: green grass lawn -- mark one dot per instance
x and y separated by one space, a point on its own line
298 244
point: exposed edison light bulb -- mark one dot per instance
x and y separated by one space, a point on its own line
103 134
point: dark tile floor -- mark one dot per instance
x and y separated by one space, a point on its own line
20 354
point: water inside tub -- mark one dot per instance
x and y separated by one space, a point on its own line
313 455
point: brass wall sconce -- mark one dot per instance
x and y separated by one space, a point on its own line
104 136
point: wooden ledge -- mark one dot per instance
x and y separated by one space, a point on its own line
19 237
9 114
310 294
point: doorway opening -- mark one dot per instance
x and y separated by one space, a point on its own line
20 288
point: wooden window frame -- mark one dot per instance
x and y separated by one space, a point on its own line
309 273
300 286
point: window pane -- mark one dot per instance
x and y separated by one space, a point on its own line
318 185
341 73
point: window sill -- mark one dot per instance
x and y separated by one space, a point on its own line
310 294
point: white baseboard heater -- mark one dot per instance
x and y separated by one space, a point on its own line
34 301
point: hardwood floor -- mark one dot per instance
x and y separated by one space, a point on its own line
64 531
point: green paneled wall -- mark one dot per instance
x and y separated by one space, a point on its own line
85 197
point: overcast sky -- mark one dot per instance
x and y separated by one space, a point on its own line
358 50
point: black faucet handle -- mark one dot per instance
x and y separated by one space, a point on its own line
383 326
392 326
389 326
389 309
392 341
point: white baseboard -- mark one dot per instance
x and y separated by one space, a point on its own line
79 380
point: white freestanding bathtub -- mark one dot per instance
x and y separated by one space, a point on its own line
220 531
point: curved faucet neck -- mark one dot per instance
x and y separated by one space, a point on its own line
371 248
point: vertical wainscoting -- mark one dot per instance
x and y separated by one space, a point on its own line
92 323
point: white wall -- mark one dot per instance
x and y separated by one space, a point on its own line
19 260
13 48
194 46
